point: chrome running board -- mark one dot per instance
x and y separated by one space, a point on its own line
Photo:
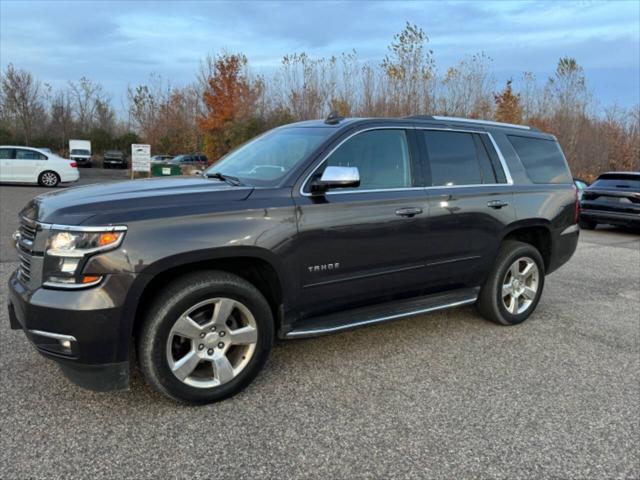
363 316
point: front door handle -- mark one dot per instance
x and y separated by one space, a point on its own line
497 204
408 212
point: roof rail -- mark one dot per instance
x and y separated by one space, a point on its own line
481 122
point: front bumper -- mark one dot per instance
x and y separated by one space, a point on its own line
611 217
90 320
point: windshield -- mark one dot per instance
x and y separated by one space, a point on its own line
269 157
80 152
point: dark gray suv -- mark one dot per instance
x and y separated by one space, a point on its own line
312 228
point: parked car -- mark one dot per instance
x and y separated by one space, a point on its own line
114 158
80 152
35 165
309 229
581 185
614 199
192 159
161 158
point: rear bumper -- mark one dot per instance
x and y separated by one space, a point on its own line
81 330
611 217
68 177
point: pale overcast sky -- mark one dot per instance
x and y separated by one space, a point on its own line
121 42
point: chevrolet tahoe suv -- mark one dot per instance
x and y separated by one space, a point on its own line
309 229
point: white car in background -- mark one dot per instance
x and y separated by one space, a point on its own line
35 165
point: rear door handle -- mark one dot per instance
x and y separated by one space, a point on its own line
497 204
408 211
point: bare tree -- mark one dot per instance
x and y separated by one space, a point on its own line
87 95
22 99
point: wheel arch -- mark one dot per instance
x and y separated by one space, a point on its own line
261 268
536 232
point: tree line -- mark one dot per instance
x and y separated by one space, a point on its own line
227 103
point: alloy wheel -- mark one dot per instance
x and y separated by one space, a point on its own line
520 285
212 342
49 179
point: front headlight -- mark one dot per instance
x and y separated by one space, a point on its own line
68 250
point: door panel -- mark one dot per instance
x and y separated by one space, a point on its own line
28 165
365 243
470 205
466 225
354 247
6 165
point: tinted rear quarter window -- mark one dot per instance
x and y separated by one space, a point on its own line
542 159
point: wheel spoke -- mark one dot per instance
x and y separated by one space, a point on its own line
186 327
529 293
223 370
515 269
187 364
507 290
513 304
243 336
222 310
528 270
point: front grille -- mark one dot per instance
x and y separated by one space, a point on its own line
28 231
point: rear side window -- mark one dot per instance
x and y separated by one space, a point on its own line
542 159
457 158
29 155
6 153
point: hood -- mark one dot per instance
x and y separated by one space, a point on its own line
120 202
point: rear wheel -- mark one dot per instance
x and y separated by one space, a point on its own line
49 179
587 224
205 337
514 286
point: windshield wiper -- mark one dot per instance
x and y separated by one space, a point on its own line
231 180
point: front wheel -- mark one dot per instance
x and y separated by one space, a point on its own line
205 337
514 286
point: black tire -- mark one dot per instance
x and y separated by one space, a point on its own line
587 224
490 302
175 299
48 179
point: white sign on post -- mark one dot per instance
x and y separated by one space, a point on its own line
140 158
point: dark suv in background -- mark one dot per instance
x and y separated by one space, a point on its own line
114 158
311 228
614 199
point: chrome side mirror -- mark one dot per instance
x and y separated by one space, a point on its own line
337 177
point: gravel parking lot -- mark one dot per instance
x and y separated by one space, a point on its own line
445 395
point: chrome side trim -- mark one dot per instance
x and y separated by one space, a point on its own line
453 260
321 331
501 158
503 161
57 336
72 286
75 228
481 122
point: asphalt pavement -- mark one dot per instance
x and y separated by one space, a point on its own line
446 395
